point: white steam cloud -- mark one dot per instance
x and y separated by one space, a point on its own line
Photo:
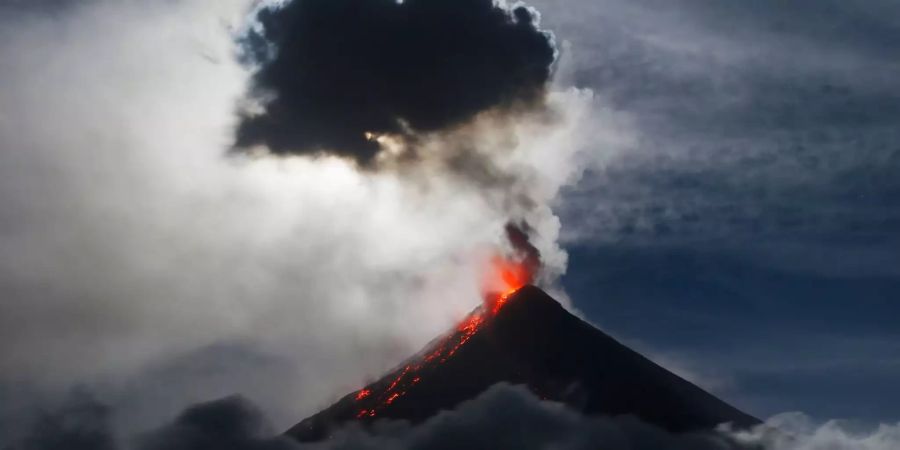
129 239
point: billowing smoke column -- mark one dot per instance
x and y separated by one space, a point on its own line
334 73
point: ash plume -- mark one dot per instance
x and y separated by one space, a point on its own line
529 255
334 73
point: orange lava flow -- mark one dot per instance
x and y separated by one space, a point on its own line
363 394
505 278
508 276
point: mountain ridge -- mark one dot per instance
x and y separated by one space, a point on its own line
528 338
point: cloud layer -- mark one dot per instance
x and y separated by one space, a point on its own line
502 417
764 127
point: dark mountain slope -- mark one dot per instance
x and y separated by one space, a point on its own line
533 341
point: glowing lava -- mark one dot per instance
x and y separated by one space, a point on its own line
505 277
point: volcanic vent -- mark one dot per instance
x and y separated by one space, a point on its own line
525 337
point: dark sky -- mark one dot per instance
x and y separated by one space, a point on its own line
753 229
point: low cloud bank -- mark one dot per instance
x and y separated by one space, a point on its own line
505 416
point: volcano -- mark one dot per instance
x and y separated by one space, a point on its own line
528 338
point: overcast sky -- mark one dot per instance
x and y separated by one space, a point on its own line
751 230
717 180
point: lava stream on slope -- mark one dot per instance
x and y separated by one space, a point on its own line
508 277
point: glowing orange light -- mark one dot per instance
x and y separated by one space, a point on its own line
505 277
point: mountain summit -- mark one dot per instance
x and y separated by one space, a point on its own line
528 338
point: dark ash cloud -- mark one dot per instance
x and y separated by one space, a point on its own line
518 237
338 69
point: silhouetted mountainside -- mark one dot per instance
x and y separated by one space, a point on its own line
532 341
